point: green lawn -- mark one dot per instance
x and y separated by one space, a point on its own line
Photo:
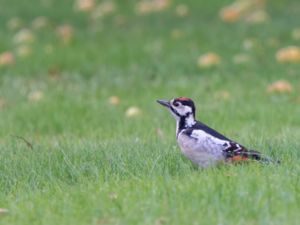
91 164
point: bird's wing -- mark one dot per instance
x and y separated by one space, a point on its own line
201 126
204 141
231 149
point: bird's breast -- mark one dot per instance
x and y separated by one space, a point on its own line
201 150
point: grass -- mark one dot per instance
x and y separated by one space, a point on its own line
90 164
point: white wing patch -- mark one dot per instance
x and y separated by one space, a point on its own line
202 136
209 141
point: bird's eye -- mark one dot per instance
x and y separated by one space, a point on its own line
176 104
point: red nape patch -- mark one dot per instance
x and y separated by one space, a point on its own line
184 99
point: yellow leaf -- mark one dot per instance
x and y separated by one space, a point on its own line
290 54
84 5
208 60
182 10
35 96
23 36
280 86
132 111
114 100
7 58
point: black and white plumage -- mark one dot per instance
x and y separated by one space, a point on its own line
203 145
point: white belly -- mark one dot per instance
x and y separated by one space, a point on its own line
202 149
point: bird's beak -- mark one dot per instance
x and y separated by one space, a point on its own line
164 103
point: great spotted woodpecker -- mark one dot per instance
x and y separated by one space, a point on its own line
201 144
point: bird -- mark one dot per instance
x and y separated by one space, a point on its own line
203 145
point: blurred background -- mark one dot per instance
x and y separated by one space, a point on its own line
83 141
95 68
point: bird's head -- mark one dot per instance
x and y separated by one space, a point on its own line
180 107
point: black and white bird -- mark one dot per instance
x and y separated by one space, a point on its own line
201 144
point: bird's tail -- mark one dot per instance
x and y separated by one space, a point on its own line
255 155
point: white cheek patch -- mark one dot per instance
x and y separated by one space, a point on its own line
184 110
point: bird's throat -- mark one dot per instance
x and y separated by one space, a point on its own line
185 122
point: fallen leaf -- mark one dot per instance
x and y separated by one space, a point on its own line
3 211
290 54
35 96
40 22
23 51
224 95
133 111
104 9
7 58
161 221
251 11
182 10
114 100
235 11
113 196
145 7
248 44
84 5
258 16
280 86
208 60
230 14
65 32
23 36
